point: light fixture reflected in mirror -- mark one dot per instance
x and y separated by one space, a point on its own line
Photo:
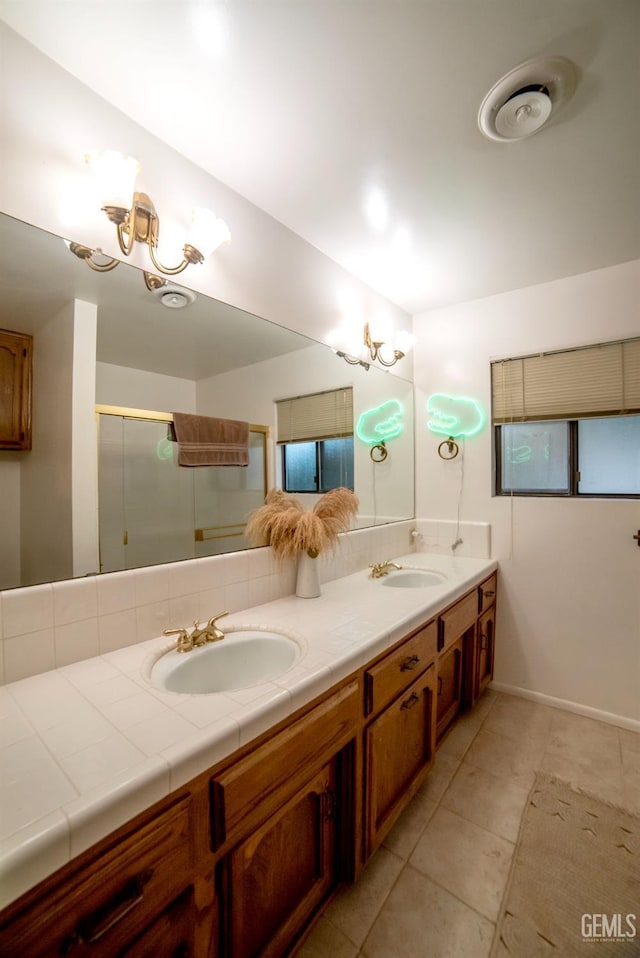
136 219
372 348
99 262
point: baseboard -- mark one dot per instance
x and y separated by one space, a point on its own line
610 717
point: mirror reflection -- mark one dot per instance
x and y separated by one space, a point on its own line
100 488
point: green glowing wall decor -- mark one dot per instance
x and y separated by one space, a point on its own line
381 423
454 416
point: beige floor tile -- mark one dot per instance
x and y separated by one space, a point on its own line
470 862
403 837
629 742
486 800
596 774
631 789
486 702
422 920
578 731
516 762
459 738
437 781
354 910
326 940
518 719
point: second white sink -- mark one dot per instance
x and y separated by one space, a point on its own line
413 578
244 657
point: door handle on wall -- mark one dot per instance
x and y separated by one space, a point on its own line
637 537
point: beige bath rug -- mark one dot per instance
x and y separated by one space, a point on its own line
574 887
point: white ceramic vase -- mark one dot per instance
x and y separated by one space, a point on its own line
307 581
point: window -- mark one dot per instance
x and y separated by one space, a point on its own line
568 423
317 466
315 433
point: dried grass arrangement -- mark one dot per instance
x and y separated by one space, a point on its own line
289 529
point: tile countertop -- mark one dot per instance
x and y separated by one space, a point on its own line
86 747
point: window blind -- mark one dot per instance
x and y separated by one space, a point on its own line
325 415
600 380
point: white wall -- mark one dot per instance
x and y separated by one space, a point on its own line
50 120
384 490
10 519
569 610
84 463
139 389
46 480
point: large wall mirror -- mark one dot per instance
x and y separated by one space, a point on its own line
111 361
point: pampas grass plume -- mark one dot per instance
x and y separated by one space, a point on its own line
283 524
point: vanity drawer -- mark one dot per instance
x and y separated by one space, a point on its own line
110 899
255 786
487 591
456 620
399 668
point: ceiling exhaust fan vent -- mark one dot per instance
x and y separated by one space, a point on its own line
524 100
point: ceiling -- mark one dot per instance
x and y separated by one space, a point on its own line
354 122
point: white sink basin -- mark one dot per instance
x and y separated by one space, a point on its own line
413 579
244 657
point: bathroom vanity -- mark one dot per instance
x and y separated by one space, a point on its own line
238 860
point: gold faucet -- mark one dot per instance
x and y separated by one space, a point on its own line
382 568
200 634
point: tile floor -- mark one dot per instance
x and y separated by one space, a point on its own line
434 888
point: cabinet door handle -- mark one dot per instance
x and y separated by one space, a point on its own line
488 593
484 642
439 685
94 927
411 701
328 803
409 664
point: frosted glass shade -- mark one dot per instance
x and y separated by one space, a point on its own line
207 232
115 176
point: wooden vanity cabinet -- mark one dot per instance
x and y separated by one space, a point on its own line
238 863
283 871
281 823
449 685
103 906
399 749
399 741
16 352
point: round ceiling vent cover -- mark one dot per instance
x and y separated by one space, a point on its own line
524 100
174 297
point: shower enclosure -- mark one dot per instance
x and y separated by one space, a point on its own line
151 510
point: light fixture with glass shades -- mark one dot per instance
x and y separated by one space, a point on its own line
362 349
137 221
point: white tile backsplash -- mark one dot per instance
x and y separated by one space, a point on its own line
48 626
438 535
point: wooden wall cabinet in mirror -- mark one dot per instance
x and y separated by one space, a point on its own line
16 360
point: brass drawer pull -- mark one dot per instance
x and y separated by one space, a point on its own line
409 664
484 642
94 927
488 593
411 701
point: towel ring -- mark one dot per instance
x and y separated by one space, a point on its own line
452 448
383 452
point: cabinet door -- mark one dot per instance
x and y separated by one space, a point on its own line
485 650
280 874
399 748
449 694
16 352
